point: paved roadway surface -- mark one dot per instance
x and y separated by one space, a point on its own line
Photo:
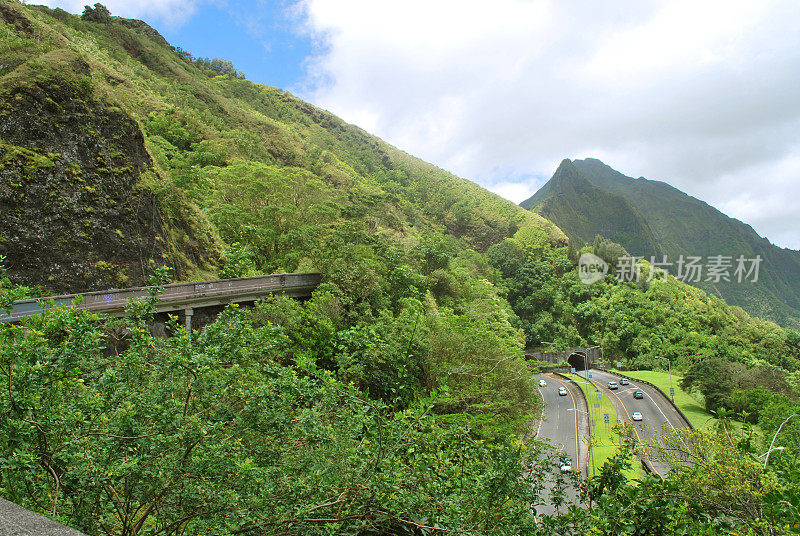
563 426
658 416
17 521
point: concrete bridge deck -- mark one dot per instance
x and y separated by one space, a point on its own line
176 297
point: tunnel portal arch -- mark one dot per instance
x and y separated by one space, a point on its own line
578 361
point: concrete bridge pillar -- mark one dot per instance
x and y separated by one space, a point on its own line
187 315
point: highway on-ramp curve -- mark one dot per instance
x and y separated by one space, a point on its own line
562 423
658 416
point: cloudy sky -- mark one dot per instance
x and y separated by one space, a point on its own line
701 94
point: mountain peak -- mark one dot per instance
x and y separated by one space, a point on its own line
567 180
587 210
650 215
568 167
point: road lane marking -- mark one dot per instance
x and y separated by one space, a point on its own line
575 408
541 418
658 406
632 421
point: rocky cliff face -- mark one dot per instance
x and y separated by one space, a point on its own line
82 206
71 215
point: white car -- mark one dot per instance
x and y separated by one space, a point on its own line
542 383
562 391
566 467
636 416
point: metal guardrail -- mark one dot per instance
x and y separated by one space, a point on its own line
658 389
173 297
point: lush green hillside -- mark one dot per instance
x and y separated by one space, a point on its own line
123 139
122 156
392 402
681 225
585 211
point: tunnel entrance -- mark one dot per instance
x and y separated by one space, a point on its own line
578 361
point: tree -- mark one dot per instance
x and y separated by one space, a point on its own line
10 292
100 13
209 434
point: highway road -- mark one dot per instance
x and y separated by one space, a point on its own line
658 416
563 424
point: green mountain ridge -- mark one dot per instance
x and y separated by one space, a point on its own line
587 211
683 225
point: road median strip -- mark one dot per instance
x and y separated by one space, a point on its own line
603 446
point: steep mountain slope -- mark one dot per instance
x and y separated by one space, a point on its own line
120 153
584 211
684 225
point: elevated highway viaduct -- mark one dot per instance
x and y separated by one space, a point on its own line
186 299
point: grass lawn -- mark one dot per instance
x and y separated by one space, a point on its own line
604 444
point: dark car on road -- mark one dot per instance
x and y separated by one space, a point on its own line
638 394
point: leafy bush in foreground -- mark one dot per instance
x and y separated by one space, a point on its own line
213 435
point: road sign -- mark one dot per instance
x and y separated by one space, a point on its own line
605 418
619 364
599 395
597 405
572 370
672 391
590 374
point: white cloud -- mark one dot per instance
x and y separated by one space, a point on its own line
516 190
768 207
170 12
700 94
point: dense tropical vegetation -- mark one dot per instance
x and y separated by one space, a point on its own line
247 428
256 425
396 399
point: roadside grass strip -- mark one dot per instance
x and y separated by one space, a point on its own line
604 445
